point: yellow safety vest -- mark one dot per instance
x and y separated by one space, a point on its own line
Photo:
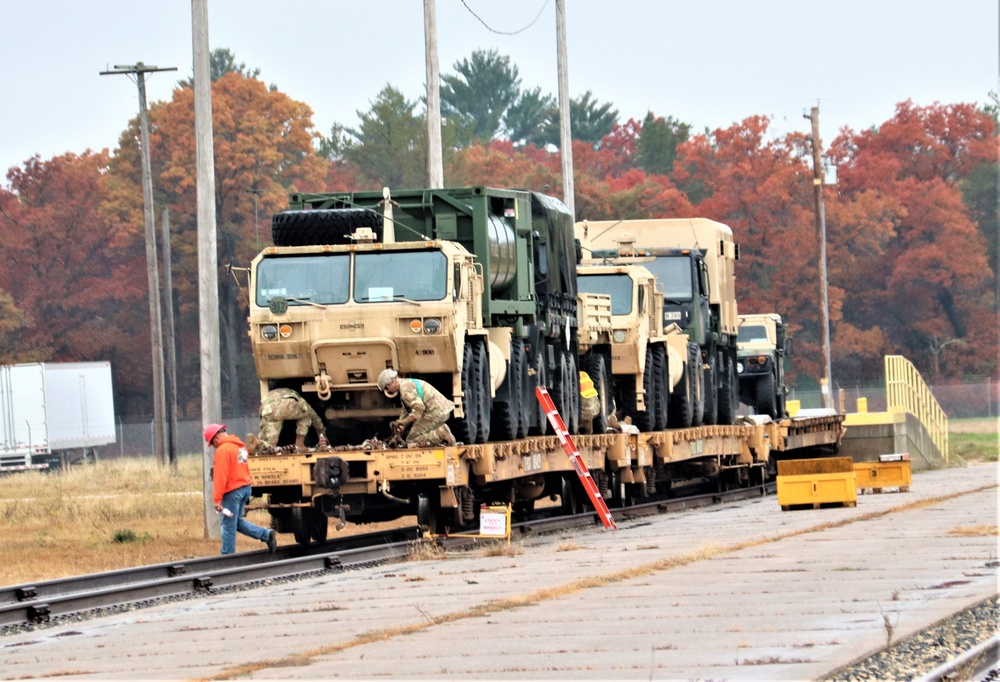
587 389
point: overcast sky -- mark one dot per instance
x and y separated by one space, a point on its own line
709 63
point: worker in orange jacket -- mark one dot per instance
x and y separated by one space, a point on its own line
231 489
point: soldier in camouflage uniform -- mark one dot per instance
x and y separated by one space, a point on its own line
279 406
425 410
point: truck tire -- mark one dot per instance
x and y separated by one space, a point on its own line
574 392
765 399
643 419
540 422
506 416
680 413
563 386
708 390
466 429
728 390
482 371
660 388
322 226
528 401
596 367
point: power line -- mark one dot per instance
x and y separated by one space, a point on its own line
506 33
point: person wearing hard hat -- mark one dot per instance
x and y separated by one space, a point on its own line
590 403
425 410
277 407
231 489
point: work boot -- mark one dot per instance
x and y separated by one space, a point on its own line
300 443
323 444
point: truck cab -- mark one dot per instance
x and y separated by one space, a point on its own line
762 346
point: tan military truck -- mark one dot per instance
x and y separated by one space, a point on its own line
762 348
627 360
693 260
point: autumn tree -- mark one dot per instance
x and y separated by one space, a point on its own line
74 278
263 142
933 294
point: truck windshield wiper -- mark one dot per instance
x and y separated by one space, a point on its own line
304 300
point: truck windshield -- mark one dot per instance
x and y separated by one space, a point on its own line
304 279
752 333
617 286
396 275
673 273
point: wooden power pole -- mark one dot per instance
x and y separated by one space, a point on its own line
817 153
565 127
139 71
435 164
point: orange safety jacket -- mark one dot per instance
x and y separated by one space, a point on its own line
231 470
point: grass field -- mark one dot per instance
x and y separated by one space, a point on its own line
132 512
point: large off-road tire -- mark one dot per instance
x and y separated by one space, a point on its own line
765 400
322 226
709 391
660 388
645 419
562 388
573 424
466 429
482 371
597 369
680 414
528 402
728 390
540 422
506 416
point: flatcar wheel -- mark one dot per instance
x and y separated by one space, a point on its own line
427 515
318 526
568 497
300 524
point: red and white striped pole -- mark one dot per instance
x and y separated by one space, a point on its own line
574 457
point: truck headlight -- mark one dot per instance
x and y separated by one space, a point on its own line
739 367
619 336
269 332
432 325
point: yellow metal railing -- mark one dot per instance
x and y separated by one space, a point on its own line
906 391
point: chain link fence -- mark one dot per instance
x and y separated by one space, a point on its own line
959 401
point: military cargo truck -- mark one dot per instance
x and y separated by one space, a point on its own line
762 347
471 289
629 361
693 259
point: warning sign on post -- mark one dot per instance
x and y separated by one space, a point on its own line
493 522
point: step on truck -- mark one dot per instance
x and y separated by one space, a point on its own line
762 347
471 289
693 260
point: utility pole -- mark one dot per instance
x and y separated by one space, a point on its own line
826 382
435 164
565 128
171 350
208 257
139 70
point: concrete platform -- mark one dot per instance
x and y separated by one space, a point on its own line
738 592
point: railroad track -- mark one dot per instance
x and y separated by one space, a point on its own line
39 602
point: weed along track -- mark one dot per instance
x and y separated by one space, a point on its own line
739 589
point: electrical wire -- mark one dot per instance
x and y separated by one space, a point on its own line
506 33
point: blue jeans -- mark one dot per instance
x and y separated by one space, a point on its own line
235 501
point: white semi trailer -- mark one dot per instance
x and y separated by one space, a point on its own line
54 413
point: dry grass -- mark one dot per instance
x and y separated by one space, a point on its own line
111 515
974 531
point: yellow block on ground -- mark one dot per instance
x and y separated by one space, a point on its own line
812 483
878 475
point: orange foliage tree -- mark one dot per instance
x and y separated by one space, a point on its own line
74 272
930 289
263 149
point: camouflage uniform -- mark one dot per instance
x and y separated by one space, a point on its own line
284 404
427 414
